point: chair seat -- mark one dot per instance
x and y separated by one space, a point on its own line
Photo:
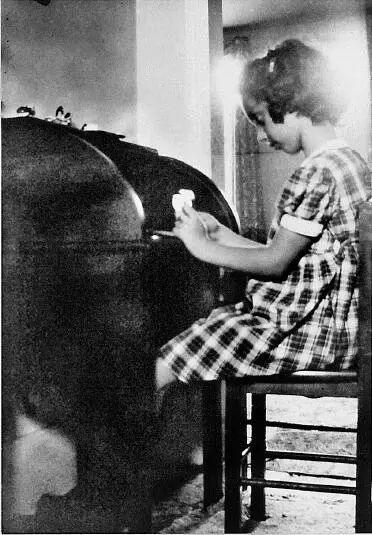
304 383
302 377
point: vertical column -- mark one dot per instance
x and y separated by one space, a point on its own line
368 9
217 113
173 87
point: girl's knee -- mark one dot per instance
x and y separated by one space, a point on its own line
163 374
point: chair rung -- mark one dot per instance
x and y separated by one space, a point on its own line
311 390
323 476
306 427
312 487
246 452
310 456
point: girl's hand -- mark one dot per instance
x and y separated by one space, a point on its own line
212 225
191 229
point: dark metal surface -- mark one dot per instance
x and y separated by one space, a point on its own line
77 325
88 298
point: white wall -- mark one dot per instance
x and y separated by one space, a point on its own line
173 79
92 56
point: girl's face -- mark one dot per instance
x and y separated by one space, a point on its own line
284 136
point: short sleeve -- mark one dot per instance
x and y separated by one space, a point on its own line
306 203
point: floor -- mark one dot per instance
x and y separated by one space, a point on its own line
44 462
288 511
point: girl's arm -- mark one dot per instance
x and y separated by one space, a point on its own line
223 235
271 262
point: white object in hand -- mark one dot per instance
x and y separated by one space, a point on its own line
184 196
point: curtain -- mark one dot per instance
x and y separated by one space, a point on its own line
248 185
245 158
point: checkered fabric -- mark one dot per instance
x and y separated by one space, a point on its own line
308 321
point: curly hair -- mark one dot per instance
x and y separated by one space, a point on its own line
294 77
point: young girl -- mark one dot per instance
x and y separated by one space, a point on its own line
300 309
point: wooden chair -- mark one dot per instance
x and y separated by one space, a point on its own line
313 384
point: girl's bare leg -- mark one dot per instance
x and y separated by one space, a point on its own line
180 413
163 374
164 377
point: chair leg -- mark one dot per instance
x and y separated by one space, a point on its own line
363 509
363 505
234 422
212 442
258 455
243 438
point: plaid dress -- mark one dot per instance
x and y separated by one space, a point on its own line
309 320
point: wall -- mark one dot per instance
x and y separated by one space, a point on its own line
173 79
76 53
340 31
137 67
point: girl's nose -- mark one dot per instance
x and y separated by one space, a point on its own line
262 136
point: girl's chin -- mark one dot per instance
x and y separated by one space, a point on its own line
291 150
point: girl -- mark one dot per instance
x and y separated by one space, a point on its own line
300 309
